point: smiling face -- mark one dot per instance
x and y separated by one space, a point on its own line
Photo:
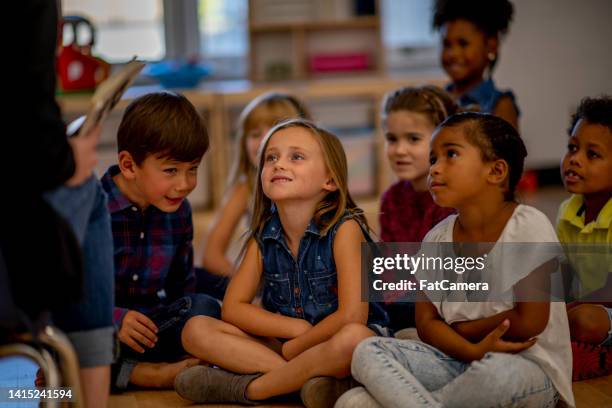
458 174
586 168
294 167
161 182
407 137
464 52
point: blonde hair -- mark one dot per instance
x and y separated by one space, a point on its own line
267 109
334 205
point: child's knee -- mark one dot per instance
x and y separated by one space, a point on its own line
346 340
197 328
589 323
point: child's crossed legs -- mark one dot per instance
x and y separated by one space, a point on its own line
401 373
231 348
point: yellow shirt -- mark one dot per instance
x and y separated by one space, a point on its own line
571 230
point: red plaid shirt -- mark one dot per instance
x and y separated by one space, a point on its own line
153 252
408 215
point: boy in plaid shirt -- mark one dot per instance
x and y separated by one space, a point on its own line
161 142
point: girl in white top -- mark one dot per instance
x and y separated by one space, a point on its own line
477 354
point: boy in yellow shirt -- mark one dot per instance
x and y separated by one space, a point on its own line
586 217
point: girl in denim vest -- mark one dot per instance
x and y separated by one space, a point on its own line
304 251
470 34
255 121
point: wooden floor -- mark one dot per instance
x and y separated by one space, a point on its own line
596 393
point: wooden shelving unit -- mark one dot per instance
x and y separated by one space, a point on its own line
314 44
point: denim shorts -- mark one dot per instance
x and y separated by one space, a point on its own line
170 320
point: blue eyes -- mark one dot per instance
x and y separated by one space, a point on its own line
274 157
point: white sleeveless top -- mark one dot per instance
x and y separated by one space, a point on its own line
552 351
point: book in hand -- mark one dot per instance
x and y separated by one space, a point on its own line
104 99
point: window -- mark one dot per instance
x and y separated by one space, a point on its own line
123 28
407 23
223 29
409 40
136 27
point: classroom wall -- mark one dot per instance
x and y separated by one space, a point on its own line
557 51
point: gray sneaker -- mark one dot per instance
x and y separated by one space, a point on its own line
322 392
208 385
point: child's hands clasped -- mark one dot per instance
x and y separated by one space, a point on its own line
290 348
493 342
138 330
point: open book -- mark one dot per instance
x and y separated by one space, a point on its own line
104 99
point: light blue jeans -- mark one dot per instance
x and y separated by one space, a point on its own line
89 323
409 373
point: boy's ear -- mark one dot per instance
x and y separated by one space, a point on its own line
498 172
330 185
127 165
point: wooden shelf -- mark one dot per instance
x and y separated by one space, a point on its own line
355 22
296 46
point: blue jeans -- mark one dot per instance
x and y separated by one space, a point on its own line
89 323
408 373
170 321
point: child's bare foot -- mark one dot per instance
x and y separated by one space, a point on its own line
159 375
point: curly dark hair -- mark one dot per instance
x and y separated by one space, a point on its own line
597 111
496 139
493 17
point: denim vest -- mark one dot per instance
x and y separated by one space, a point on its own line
306 287
483 97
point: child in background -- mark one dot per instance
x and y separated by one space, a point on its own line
494 353
586 217
304 250
161 141
471 31
407 211
255 121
